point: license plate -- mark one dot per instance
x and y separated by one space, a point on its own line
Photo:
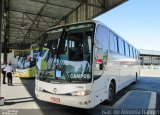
55 100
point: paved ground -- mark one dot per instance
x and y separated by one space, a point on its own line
20 99
150 72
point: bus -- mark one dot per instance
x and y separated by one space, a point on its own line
26 63
87 64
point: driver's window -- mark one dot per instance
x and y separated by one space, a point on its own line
100 50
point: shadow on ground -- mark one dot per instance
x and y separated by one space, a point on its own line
50 108
144 83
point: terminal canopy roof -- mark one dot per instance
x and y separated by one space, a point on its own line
149 52
26 20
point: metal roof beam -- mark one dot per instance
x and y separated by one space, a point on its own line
54 4
35 20
17 24
33 34
39 38
45 21
28 17
85 2
26 29
12 10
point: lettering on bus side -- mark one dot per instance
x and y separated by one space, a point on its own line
80 76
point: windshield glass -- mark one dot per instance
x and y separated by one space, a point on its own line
43 51
27 61
23 63
69 55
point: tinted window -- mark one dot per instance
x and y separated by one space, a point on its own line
121 46
113 42
102 37
137 54
131 51
126 49
134 53
42 53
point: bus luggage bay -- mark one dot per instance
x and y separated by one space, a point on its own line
87 63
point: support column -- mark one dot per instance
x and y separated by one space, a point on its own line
5 46
1 12
142 62
151 65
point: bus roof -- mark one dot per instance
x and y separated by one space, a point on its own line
91 21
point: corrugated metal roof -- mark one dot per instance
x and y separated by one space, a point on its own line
27 19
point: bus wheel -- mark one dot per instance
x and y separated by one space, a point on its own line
136 78
111 92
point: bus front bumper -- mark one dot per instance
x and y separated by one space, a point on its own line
74 101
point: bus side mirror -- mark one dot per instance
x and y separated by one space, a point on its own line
99 61
99 64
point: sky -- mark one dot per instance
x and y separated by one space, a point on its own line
137 21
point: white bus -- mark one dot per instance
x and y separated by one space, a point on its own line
88 63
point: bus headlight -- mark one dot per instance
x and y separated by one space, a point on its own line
36 75
81 93
39 88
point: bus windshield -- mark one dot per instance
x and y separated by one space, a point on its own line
43 51
69 56
23 63
27 61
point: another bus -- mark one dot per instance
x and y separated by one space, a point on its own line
87 64
26 64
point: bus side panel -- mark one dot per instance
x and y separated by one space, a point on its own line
128 69
100 89
113 69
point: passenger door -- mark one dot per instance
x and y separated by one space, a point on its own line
99 62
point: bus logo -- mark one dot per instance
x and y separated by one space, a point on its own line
55 90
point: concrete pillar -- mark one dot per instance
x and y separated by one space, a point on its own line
1 13
142 62
5 46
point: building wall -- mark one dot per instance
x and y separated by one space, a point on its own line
150 62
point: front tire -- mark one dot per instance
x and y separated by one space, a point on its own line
111 93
